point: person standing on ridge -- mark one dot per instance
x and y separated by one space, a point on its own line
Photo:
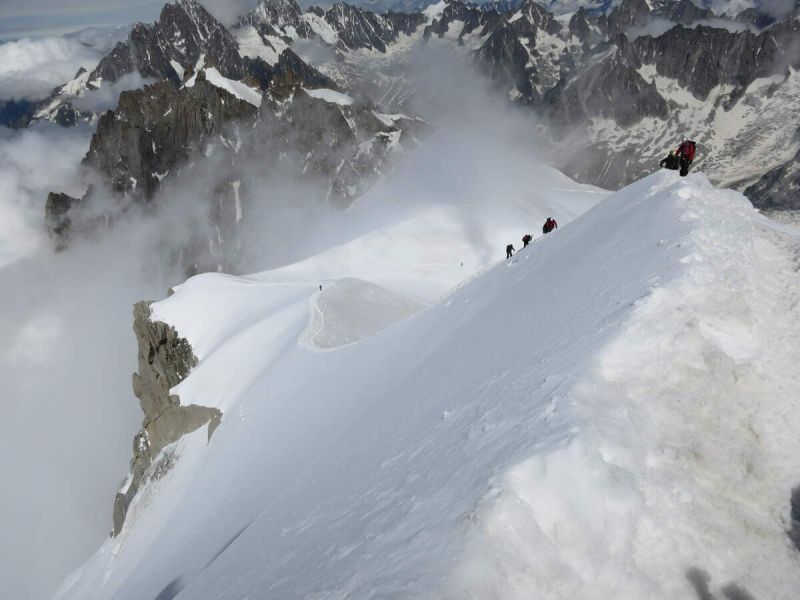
509 251
672 162
685 154
526 239
549 225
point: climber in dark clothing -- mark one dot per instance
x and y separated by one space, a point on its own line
685 154
549 225
509 251
526 239
672 162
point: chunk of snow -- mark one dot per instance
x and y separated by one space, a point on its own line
434 11
178 68
331 96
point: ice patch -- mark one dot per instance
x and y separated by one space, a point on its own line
331 96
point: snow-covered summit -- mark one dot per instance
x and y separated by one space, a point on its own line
612 412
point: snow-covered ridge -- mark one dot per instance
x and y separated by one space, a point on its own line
610 410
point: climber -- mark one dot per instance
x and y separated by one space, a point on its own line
526 239
509 251
671 162
685 155
549 225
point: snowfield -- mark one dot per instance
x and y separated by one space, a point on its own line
611 414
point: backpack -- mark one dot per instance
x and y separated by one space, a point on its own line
687 149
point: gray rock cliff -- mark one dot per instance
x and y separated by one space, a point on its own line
165 359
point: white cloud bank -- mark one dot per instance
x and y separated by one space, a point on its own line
31 69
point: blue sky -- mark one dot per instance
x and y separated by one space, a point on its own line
33 18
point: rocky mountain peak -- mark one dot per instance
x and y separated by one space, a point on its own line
278 17
579 25
357 28
184 33
539 17
683 11
629 13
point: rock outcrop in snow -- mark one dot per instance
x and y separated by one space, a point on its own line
165 359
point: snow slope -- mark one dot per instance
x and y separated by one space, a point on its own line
613 413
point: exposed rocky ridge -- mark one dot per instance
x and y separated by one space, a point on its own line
576 75
161 132
356 28
629 13
684 12
276 17
58 220
596 90
778 189
164 359
702 58
184 32
158 127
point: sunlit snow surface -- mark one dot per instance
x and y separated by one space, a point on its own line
613 407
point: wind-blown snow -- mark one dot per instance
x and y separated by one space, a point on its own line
330 96
598 417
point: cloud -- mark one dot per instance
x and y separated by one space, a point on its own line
31 69
776 8
32 162
106 97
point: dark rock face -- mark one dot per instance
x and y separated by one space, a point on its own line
506 58
344 148
794 532
183 33
597 90
685 12
406 23
275 17
703 57
579 25
535 14
753 16
165 359
473 19
57 218
779 189
157 128
290 72
630 13
16 113
358 28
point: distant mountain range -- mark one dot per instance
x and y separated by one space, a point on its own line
612 93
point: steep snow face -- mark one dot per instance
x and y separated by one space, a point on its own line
612 413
